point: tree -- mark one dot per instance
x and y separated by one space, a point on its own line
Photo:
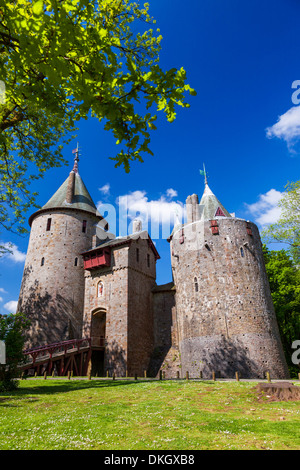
12 329
64 60
287 228
284 279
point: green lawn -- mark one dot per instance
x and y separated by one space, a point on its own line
170 415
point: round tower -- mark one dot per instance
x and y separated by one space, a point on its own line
225 314
52 289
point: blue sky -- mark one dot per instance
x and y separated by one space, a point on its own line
242 58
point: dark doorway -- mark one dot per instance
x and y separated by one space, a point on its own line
98 327
97 363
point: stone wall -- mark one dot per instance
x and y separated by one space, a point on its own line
165 354
141 280
164 310
226 319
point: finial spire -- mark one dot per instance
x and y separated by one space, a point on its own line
76 159
203 172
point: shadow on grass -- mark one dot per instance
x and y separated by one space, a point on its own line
53 386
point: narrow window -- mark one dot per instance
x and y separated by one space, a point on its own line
137 255
42 261
48 225
242 252
196 284
148 260
83 226
76 262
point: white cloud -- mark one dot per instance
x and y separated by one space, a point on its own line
15 254
287 127
11 306
171 192
3 290
1 299
105 189
266 210
160 210
153 213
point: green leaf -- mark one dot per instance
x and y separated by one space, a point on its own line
37 7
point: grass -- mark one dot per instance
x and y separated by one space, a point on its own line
150 415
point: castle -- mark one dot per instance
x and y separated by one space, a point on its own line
216 314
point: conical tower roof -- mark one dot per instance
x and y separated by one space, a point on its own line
79 197
72 194
212 207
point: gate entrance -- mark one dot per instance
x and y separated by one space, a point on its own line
98 327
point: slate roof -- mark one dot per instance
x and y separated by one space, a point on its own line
164 287
124 241
210 205
81 197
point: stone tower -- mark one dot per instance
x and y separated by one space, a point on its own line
52 289
119 277
226 320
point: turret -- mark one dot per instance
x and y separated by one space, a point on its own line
226 319
52 290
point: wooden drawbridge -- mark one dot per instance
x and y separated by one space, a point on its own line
60 358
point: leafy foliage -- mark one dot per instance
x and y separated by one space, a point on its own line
287 228
284 279
12 329
63 60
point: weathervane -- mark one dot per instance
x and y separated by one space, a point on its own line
76 159
203 172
